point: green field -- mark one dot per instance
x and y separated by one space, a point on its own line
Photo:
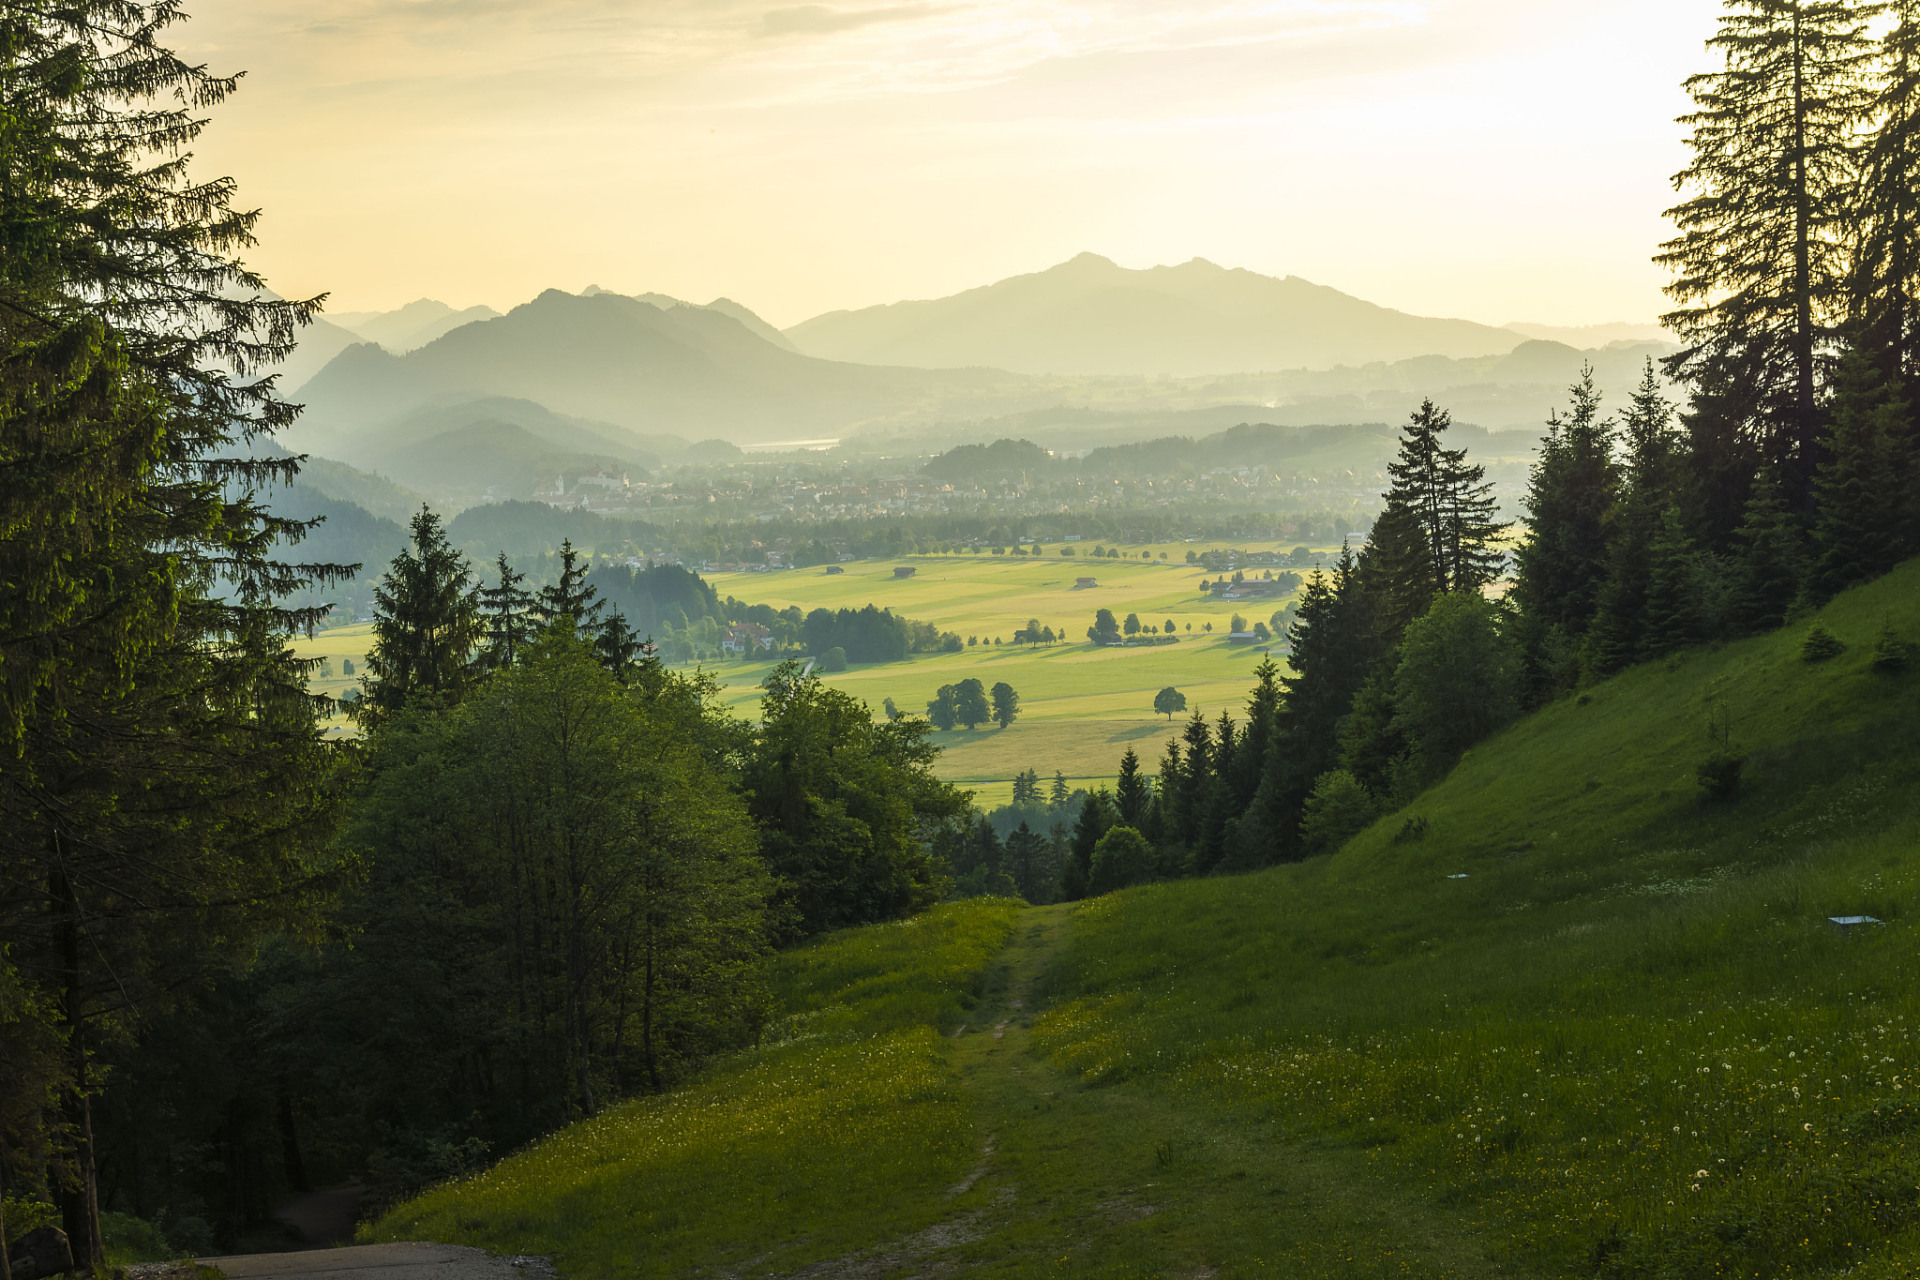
1082 706
1581 1023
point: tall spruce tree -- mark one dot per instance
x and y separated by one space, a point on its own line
1616 639
507 608
1132 793
1196 775
1761 262
163 782
1437 532
1769 562
427 627
1562 563
1885 284
1673 616
1868 512
1335 645
570 598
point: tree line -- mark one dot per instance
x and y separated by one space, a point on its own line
1785 475
240 956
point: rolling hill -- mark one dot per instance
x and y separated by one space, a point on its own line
1558 1017
1090 316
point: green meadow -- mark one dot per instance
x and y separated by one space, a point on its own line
1082 707
1559 1017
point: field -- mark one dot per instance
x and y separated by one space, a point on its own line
1082 707
1574 1022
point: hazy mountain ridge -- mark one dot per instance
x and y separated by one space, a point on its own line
688 371
412 326
1091 316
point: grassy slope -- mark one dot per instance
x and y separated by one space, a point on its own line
853 1119
1629 1034
1627 1038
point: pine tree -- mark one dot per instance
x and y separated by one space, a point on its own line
1769 565
1652 445
1169 793
507 607
1437 532
1249 764
1866 488
1760 264
163 782
1061 792
1132 793
1097 817
1885 285
426 627
1673 617
1372 744
1196 773
619 648
1616 639
571 599
1562 563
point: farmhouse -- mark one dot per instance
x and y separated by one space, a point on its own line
904 571
746 637
1084 584
1243 637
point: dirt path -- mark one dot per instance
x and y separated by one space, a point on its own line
381 1262
1121 1181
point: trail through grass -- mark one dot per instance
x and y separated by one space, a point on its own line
887 1137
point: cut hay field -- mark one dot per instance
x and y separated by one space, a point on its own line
1082 707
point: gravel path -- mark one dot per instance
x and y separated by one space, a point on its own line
383 1262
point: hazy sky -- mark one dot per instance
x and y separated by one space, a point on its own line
1495 159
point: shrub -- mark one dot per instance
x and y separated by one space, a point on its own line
1719 774
834 659
1122 857
1821 645
1339 809
1412 831
1891 654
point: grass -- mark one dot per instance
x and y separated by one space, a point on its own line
1082 707
851 1119
1625 1040
1574 1021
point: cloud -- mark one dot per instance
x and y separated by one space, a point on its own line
818 19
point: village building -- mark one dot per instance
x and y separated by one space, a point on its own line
746 637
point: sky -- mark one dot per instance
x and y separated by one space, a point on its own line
1497 160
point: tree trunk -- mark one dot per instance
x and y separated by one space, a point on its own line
1798 452
80 1206
296 1168
6 1267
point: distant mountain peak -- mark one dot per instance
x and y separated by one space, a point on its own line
1089 316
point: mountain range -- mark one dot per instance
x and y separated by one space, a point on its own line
494 404
679 370
1091 316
